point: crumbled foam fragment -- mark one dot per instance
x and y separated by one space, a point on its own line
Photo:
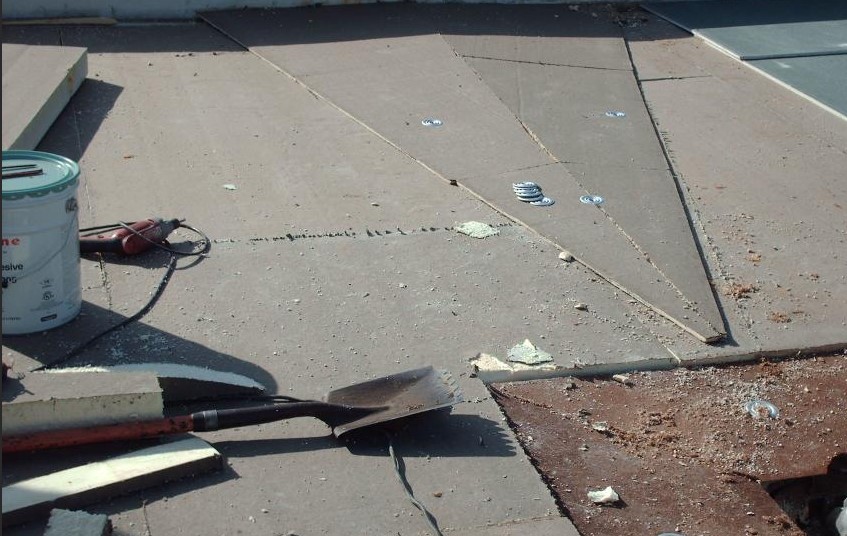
527 353
566 256
491 369
622 378
604 496
476 229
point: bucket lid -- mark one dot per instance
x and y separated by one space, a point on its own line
36 174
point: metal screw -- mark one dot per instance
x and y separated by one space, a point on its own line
615 113
591 199
432 122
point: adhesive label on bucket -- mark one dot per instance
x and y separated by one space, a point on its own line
41 264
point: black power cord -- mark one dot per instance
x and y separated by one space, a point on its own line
400 471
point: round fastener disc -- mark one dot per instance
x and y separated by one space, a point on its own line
543 202
759 409
591 199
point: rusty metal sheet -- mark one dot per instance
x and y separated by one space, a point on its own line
679 446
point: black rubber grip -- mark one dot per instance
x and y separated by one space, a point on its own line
231 418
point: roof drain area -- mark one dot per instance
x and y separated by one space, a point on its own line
815 502
692 452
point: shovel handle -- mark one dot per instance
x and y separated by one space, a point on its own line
202 421
97 434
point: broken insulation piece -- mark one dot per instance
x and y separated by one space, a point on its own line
527 353
476 229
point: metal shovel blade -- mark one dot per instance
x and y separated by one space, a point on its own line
396 396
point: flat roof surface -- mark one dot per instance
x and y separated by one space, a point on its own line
299 148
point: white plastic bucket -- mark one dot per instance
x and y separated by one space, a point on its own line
41 279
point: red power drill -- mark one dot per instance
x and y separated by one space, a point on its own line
126 242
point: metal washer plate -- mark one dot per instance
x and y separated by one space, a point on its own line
543 202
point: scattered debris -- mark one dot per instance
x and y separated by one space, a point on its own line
566 256
527 353
622 378
77 523
615 113
604 496
99 481
432 122
779 317
739 291
602 427
476 229
580 306
230 187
